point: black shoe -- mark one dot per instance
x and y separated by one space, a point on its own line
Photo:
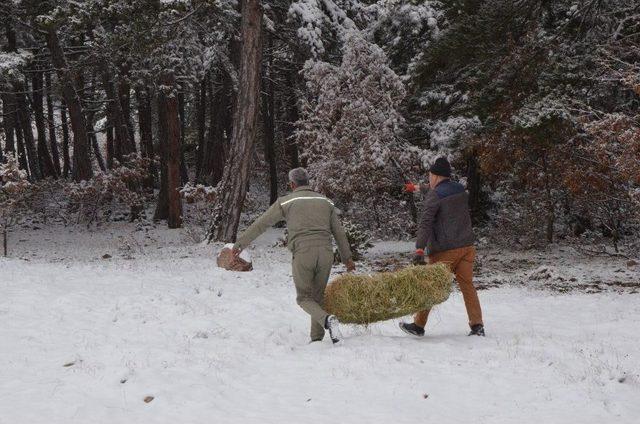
477 330
332 324
412 329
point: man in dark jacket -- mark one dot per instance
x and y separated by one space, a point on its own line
445 235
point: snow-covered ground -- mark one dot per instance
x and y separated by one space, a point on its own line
86 339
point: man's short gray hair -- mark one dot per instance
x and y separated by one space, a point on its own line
299 177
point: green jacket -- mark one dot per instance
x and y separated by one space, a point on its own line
311 221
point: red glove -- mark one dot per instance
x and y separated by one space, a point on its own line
411 187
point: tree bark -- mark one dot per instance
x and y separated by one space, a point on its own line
213 155
90 95
474 185
169 114
174 156
228 106
9 121
22 154
66 159
145 122
224 226
53 141
201 106
184 173
94 142
45 162
268 122
124 94
109 135
97 152
122 145
550 220
82 169
8 98
24 120
162 204
291 147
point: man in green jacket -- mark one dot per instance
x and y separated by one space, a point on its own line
312 220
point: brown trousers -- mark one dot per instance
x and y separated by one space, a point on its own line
460 262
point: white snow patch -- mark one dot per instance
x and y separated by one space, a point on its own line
160 319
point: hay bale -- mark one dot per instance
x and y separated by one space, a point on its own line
227 260
363 299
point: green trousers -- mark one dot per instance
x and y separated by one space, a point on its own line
311 269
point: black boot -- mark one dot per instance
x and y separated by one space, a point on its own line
332 324
412 329
477 330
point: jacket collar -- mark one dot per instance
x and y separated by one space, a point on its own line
446 180
301 188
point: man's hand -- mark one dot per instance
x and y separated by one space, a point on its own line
418 259
411 187
350 265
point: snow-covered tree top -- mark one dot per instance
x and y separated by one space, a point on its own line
13 62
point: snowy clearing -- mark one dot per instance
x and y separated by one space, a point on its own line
88 339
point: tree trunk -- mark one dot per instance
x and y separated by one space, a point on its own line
213 155
549 201
145 122
45 162
122 145
9 121
90 95
169 202
224 226
162 205
24 120
124 93
5 243
109 135
97 152
291 147
549 227
53 141
228 105
201 107
66 159
174 157
474 185
268 121
184 173
82 162
22 154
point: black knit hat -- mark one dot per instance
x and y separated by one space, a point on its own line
441 167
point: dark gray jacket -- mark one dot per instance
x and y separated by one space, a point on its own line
445 222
